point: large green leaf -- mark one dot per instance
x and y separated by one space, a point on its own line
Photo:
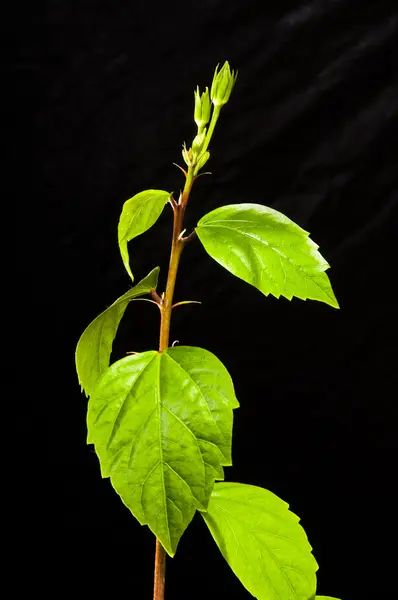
161 423
138 215
263 247
262 542
94 347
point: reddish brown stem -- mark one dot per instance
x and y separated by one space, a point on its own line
166 305
160 571
177 244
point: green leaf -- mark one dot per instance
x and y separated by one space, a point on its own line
161 423
266 249
94 347
262 542
138 215
325 598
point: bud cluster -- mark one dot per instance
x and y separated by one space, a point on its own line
221 88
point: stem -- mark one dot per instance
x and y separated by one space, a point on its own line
177 245
214 119
166 305
160 571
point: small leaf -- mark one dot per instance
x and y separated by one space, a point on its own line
161 423
266 249
138 215
262 542
94 347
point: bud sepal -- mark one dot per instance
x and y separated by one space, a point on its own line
202 161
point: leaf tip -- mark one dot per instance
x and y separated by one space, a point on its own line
129 272
334 302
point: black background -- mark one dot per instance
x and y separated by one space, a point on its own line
311 130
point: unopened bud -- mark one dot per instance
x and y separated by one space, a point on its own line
197 143
202 161
202 108
223 82
187 155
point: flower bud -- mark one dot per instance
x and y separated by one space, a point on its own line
202 108
198 143
202 161
222 85
187 155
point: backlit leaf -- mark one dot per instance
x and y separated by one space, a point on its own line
94 347
262 542
266 249
161 423
138 215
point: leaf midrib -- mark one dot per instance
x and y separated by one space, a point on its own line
279 253
161 453
268 550
132 214
116 421
205 401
